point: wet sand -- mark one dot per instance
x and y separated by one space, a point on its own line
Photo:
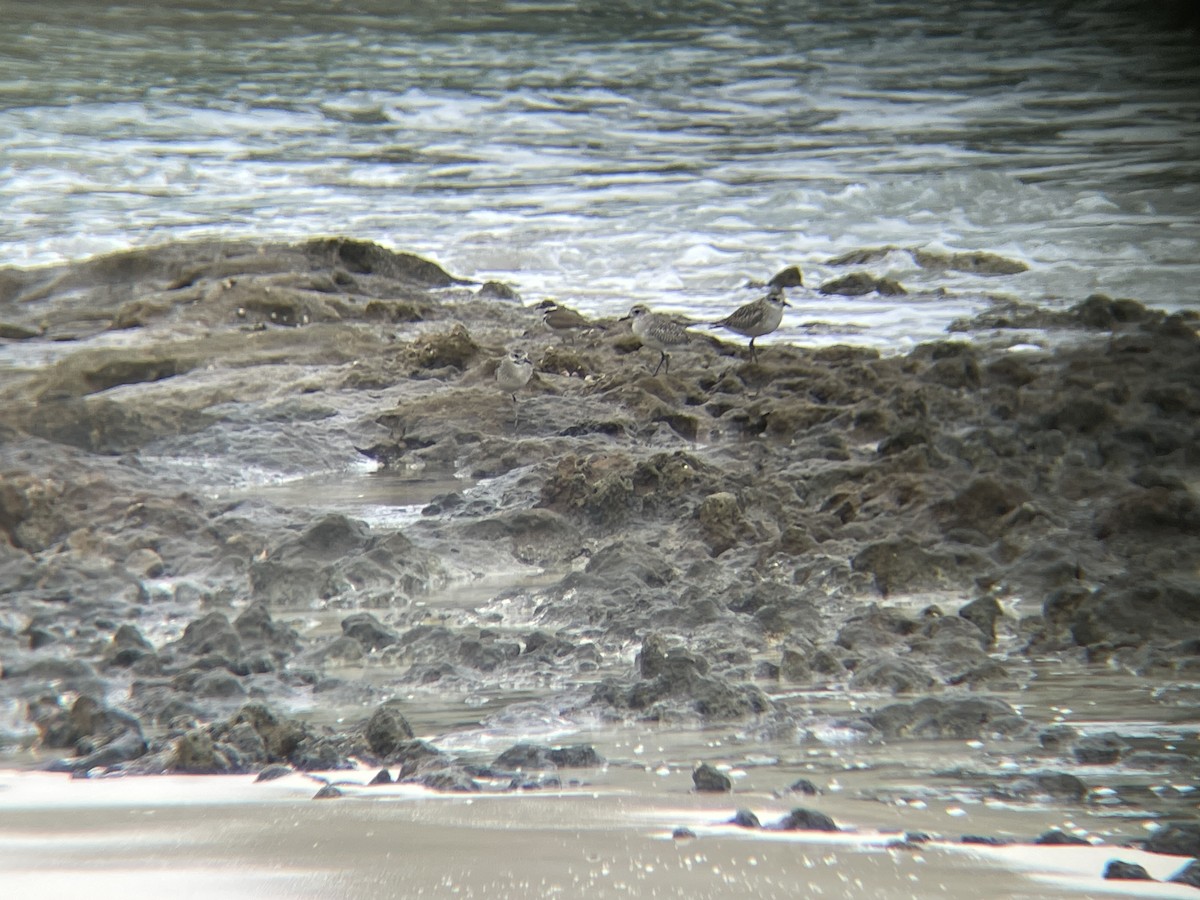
232 838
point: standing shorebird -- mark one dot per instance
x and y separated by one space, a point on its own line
658 332
512 374
757 318
562 319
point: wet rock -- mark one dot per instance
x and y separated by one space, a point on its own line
721 522
1049 785
793 667
977 262
936 718
328 792
338 555
986 840
983 613
128 646
1176 839
386 731
281 736
220 684
981 505
803 786
657 659
210 634
1055 837
899 676
858 283
454 349
497 290
528 757
368 631
900 564
682 833
1057 737
787 277
274 771
196 753
383 776
800 819
1119 870
1189 875
744 818
1099 749
708 778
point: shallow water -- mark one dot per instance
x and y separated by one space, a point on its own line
605 154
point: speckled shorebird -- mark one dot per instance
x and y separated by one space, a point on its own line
755 319
562 319
512 374
658 332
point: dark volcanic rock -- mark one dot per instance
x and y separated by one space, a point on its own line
1176 838
368 631
858 283
1189 875
706 777
1119 870
800 819
936 718
534 756
387 730
745 818
1055 837
1099 749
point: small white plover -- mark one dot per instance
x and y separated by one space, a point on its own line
562 319
658 332
757 318
512 374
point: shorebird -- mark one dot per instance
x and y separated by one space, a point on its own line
512 374
757 318
658 332
562 319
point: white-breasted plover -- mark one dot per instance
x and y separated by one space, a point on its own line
658 332
762 316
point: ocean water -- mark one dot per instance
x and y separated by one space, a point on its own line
606 153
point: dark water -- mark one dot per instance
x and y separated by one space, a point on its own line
606 153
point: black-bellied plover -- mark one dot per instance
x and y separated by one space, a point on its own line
512 374
562 319
757 318
658 332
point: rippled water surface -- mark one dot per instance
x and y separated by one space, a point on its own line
607 152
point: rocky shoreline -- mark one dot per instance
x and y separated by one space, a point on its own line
709 540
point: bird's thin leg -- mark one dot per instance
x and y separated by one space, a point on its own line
662 357
753 354
516 412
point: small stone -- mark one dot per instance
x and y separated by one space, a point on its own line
683 833
1119 870
803 786
328 792
744 818
706 778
